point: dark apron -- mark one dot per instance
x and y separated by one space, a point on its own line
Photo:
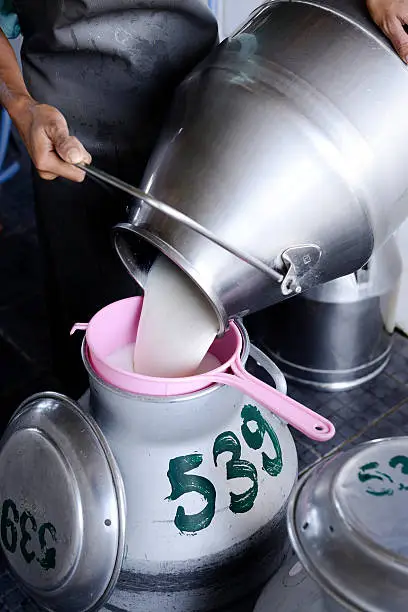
111 67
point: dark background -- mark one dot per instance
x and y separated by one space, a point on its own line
24 342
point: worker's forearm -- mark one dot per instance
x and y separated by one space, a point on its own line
43 129
13 92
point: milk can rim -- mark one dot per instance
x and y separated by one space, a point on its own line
120 232
163 398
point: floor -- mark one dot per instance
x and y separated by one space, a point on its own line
378 409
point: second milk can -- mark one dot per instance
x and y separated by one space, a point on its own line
341 332
154 500
347 521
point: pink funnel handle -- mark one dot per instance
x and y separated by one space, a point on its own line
78 327
289 410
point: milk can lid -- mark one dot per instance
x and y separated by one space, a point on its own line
62 505
348 522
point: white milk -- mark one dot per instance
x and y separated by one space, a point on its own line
123 359
210 362
177 325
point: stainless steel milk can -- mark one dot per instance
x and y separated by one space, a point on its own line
338 335
288 143
130 502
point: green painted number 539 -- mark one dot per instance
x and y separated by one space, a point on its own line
236 468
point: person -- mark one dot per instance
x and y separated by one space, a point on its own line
391 16
107 69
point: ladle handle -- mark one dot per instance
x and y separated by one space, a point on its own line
289 410
177 215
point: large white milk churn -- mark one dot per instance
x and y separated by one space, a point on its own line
147 502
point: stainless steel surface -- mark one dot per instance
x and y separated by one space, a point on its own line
341 332
347 524
248 350
63 505
226 563
273 144
274 372
291 590
181 218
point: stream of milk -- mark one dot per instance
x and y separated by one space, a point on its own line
177 327
123 359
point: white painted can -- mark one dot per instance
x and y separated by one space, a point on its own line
207 478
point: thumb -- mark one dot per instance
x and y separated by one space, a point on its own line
70 149
399 38
67 147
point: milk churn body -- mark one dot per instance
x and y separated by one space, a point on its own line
298 129
143 503
170 453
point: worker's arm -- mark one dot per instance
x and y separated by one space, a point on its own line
42 127
391 16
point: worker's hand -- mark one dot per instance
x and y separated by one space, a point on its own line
46 136
391 16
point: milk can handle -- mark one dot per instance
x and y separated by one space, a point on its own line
177 215
270 367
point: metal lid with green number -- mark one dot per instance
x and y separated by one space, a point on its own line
348 523
62 505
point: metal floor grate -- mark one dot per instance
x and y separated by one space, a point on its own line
376 410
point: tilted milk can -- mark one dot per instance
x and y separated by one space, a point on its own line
154 500
289 144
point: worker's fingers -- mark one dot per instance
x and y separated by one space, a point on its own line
48 163
391 16
52 149
50 166
394 29
69 148
47 176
